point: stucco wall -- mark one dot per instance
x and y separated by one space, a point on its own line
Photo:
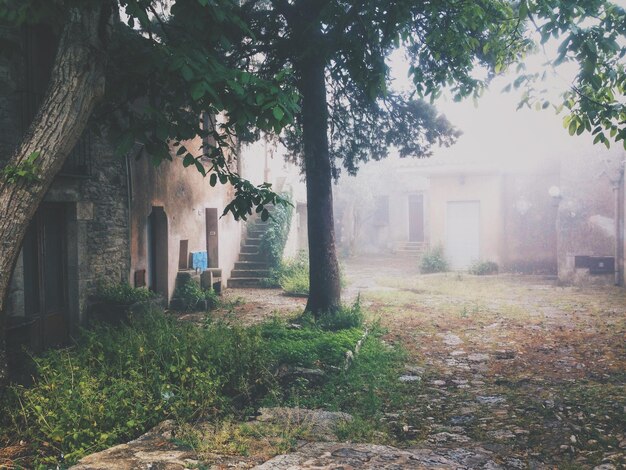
184 195
530 222
586 216
487 189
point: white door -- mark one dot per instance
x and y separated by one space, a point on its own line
463 233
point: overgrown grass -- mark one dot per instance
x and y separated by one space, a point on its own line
124 294
291 275
192 297
117 382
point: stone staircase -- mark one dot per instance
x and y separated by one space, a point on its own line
411 249
252 266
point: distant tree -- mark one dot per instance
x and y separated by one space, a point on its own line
337 51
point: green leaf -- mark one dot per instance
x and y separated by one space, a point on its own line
213 179
278 113
197 91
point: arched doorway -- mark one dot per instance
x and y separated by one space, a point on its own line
158 252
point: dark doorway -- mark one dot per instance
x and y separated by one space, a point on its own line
158 252
212 237
44 321
416 218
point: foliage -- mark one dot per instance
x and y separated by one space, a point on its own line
116 382
591 34
25 171
293 275
367 390
276 234
344 318
434 261
179 62
482 268
191 296
124 293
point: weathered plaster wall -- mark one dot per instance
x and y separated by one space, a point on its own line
586 215
530 222
184 194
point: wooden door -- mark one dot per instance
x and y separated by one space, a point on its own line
416 218
45 278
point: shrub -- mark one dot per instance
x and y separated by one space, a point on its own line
292 275
276 234
482 268
434 261
113 302
190 296
124 294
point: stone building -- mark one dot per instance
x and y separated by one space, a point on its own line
563 215
110 219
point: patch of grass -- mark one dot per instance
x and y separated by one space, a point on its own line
291 275
116 382
192 297
230 437
124 294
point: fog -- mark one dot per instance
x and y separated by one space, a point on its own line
516 189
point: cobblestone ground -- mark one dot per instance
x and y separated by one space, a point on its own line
514 371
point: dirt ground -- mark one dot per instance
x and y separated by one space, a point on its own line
531 371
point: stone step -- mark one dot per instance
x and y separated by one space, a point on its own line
240 282
253 241
249 273
249 249
256 257
255 233
245 265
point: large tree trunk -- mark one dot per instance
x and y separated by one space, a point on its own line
76 85
325 286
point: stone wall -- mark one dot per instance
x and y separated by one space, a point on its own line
94 197
586 216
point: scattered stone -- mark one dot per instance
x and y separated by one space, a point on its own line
317 455
572 439
151 450
443 437
502 355
460 381
439 383
450 339
409 378
462 420
490 400
414 370
478 357
458 352
605 466
501 434
320 424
